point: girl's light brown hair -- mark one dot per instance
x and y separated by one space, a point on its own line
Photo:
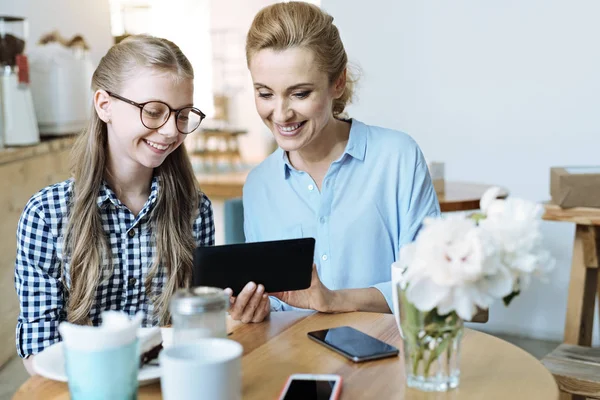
298 24
86 244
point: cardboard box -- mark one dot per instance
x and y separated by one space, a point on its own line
575 186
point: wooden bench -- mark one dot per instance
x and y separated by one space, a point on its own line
576 370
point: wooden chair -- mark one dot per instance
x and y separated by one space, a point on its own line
576 370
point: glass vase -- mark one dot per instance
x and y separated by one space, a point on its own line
431 347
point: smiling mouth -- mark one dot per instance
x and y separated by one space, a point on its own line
289 130
161 147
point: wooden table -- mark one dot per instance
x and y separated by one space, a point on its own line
490 368
464 196
457 196
583 283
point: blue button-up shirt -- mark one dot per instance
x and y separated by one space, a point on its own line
372 201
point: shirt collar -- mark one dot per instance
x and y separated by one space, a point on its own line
356 146
106 194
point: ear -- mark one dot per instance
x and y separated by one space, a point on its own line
339 85
102 104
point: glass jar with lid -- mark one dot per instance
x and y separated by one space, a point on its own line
12 39
198 312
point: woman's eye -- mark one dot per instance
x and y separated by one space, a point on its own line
264 95
302 95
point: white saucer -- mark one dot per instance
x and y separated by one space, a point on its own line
50 362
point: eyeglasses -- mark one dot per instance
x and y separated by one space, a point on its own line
155 114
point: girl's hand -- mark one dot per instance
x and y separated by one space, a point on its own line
316 297
251 305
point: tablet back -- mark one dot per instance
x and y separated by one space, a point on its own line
279 265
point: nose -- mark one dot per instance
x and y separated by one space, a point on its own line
169 129
282 111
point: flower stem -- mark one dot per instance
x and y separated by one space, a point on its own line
416 359
430 360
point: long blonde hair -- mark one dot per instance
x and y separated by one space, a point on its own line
298 24
86 243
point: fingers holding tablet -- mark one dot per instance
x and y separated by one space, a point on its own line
263 310
231 297
251 305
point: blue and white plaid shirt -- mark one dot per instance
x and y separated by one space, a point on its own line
39 253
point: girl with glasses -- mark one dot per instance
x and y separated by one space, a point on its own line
120 233
361 191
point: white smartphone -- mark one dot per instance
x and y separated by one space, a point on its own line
312 387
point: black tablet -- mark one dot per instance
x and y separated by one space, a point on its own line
280 265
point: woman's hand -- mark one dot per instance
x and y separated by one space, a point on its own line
251 305
317 297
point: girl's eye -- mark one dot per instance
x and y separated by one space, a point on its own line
152 113
264 95
302 95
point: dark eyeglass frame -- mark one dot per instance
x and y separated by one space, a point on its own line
171 110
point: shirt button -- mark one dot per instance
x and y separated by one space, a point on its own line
132 282
311 187
131 233
324 257
322 220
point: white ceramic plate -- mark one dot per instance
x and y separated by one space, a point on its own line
50 362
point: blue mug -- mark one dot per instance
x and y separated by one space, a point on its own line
108 374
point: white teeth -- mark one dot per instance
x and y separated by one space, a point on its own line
290 128
156 145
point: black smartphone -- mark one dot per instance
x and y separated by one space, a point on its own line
353 344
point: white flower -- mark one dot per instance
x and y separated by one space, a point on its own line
453 266
450 251
489 197
514 226
457 265
426 295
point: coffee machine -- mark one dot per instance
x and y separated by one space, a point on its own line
18 125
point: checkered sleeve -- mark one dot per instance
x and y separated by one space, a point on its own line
204 225
37 281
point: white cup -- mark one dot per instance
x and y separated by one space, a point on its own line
397 271
206 368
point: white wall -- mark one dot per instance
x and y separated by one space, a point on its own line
90 18
499 91
190 30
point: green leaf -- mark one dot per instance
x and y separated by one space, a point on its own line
477 217
432 317
510 297
408 312
448 335
442 346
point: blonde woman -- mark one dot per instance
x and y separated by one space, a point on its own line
120 233
362 191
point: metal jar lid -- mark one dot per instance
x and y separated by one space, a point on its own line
199 299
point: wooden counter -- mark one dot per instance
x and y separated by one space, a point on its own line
23 172
52 145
